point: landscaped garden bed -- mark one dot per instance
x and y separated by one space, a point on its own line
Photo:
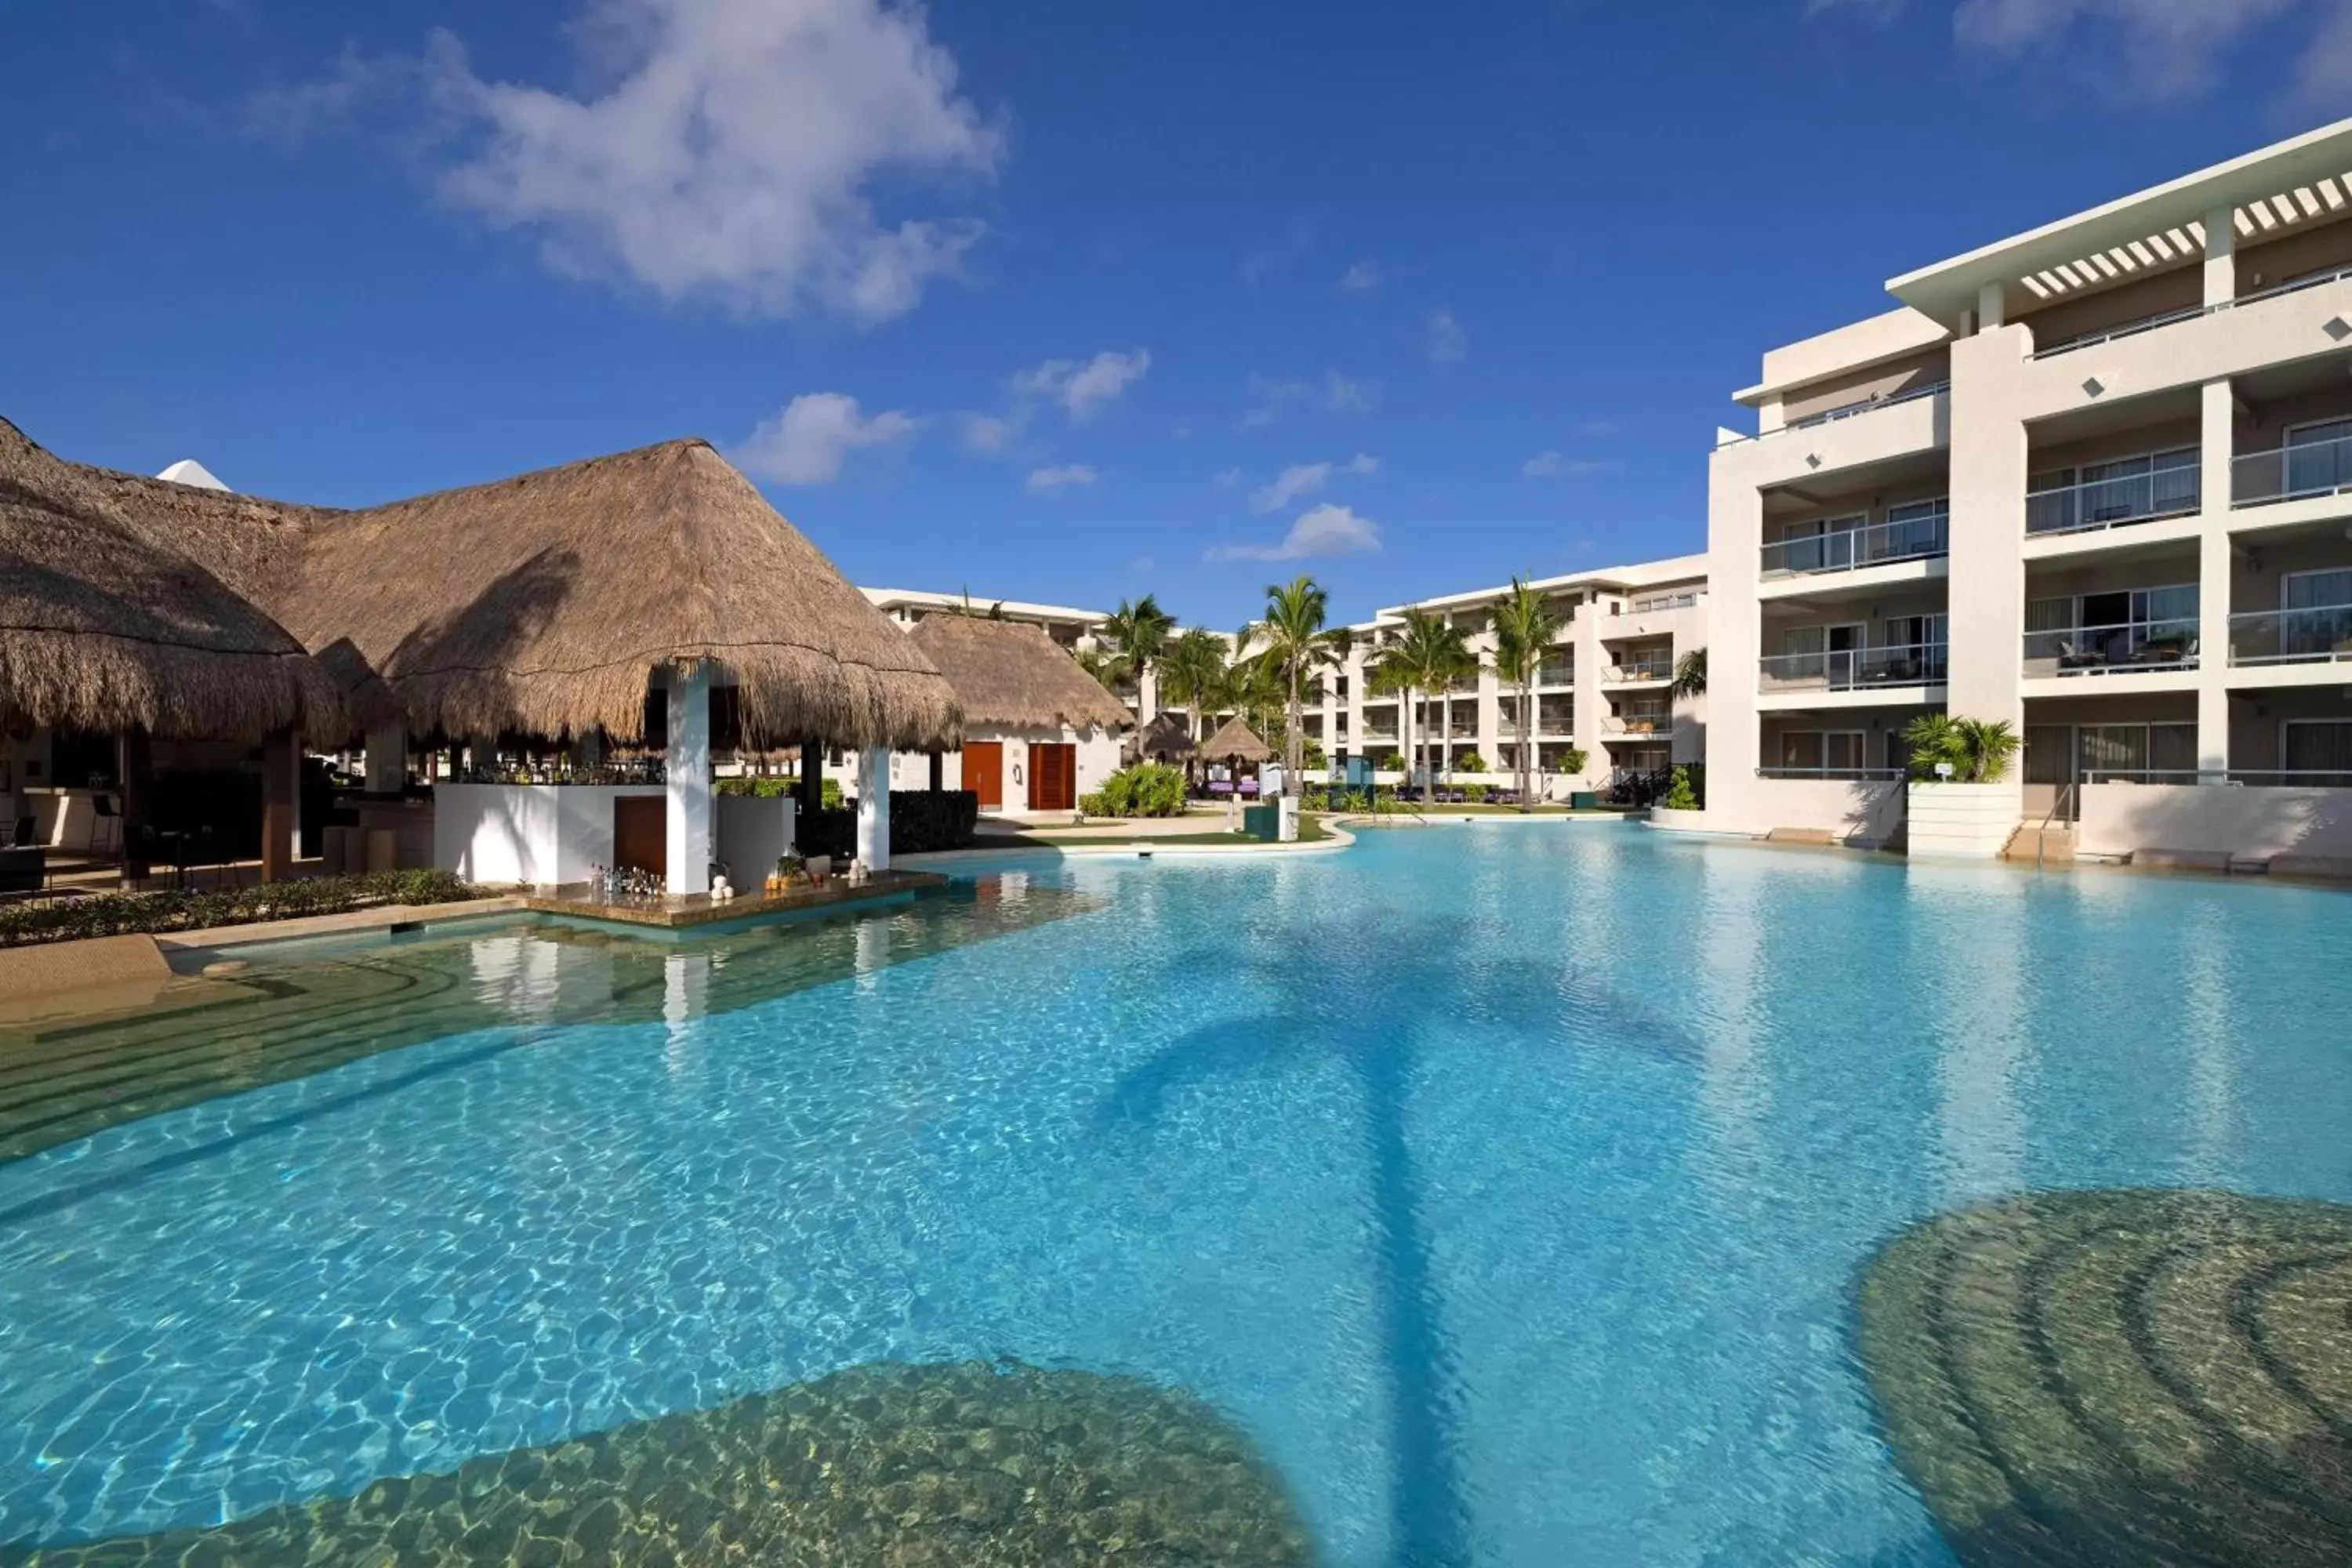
120 914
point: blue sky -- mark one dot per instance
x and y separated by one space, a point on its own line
1057 301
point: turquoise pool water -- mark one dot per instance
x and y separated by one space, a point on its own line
1507 1184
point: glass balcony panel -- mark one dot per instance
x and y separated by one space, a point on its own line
2319 635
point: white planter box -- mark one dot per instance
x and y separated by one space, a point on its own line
1962 821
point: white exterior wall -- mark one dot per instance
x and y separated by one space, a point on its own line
2253 824
1963 821
1098 754
542 835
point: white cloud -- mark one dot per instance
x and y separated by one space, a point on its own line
1448 344
1047 482
1335 393
1552 466
989 432
1600 429
2166 47
806 443
1228 480
729 149
1328 530
1361 279
1305 479
1084 387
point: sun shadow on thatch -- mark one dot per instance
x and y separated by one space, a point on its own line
2153 1377
457 671
1375 1001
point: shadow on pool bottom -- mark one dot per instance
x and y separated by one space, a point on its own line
2152 1378
969 1465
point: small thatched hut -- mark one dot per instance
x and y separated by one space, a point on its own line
1038 731
1168 738
568 605
1236 743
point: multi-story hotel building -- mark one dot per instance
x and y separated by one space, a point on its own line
1604 693
2095 480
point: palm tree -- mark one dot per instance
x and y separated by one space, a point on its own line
1296 645
1525 626
1429 652
1979 750
1192 672
1384 677
1136 635
1690 675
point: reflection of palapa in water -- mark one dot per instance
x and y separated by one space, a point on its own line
65 1081
2123 1377
883 1465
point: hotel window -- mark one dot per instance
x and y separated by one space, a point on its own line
1823 751
2320 750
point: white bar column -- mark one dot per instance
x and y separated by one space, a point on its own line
873 808
687 769
2221 256
2220 441
387 759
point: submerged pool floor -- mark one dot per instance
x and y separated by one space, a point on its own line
1497 1195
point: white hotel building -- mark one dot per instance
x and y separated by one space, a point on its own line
2095 480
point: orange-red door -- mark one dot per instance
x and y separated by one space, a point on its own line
983 770
641 833
1053 775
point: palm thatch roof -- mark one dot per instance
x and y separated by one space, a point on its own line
103 628
541 603
1236 743
1011 675
1168 735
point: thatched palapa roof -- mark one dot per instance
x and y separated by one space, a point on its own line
540 602
1236 742
1011 675
103 628
1167 735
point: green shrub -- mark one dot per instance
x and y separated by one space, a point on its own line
1147 789
118 914
772 787
1469 763
1572 760
1680 796
1476 793
1095 804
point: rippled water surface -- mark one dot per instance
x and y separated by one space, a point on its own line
1507 1185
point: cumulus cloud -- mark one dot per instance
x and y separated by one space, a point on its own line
989 432
1448 344
1328 530
1553 466
729 149
1083 387
1305 479
1047 482
806 443
1335 393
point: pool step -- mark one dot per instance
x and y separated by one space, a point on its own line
2032 842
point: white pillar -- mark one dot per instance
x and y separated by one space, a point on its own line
2221 256
873 808
687 769
2219 439
387 759
1993 306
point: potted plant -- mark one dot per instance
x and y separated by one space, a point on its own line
1961 801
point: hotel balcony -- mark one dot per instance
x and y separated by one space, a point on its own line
2136 647
1924 534
1559 673
1640 666
1637 725
1855 670
2116 493
2319 634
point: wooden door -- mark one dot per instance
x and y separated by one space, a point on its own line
641 833
1053 775
983 772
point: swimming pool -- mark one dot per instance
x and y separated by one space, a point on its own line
1506 1187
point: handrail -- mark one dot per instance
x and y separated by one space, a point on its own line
1857 775
2191 313
2042 835
1921 538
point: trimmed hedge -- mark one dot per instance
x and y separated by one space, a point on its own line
1147 789
921 821
772 788
119 914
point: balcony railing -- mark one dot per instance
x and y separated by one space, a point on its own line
2163 484
1638 724
2291 473
1867 404
2319 635
1852 670
1556 675
2125 647
1878 544
2226 778
1638 670
2130 329
1857 775
1655 603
